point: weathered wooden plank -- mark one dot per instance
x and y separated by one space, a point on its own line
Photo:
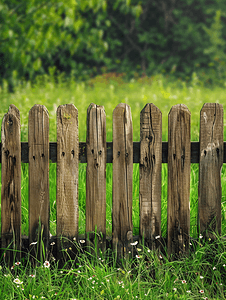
150 174
96 151
67 178
38 142
211 160
11 184
179 159
122 227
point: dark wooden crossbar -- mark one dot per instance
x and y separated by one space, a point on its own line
136 152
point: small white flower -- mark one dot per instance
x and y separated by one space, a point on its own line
82 241
134 244
183 281
17 281
137 256
157 237
32 275
174 289
201 277
46 264
201 292
33 243
53 243
214 268
17 263
200 236
188 291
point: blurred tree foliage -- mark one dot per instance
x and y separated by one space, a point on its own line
86 37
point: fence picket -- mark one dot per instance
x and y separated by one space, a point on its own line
179 160
122 227
67 179
211 160
11 184
96 152
38 143
150 174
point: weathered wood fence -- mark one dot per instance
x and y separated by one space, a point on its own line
179 152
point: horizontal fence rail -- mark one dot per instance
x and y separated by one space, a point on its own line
136 152
150 152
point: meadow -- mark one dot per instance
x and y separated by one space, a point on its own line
150 275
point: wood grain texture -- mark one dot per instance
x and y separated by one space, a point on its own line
38 142
122 179
67 177
211 160
179 159
150 174
11 184
96 151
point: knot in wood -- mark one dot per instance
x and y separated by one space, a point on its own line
10 121
129 235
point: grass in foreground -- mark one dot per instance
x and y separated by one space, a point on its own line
149 275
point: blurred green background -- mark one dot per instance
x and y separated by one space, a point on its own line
84 38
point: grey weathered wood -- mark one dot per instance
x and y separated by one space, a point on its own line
96 152
67 177
38 142
11 183
122 227
150 174
211 160
179 159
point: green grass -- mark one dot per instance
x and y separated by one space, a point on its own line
148 275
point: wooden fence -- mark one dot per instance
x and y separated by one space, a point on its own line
179 152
